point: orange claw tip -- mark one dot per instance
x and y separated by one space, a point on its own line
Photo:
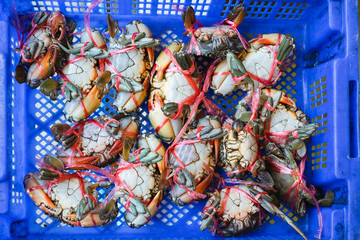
263 41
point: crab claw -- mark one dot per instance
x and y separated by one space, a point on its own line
170 109
136 221
50 88
111 26
237 125
40 18
53 162
328 199
237 14
166 128
58 23
110 210
305 132
207 215
21 73
236 67
38 195
207 133
92 101
286 49
284 98
185 179
163 60
44 69
85 205
273 209
151 142
146 156
71 91
59 131
189 17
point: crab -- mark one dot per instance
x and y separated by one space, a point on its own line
289 182
81 108
239 209
142 180
130 65
259 66
41 56
78 75
287 125
173 86
191 164
214 41
239 151
98 141
68 198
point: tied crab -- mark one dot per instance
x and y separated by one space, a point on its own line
175 84
130 61
259 66
97 141
41 56
239 209
68 198
239 151
218 40
193 159
289 182
142 181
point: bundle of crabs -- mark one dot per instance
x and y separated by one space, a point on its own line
266 138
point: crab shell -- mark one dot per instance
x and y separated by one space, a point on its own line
171 87
222 82
216 41
286 118
41 35
240 215
258 59
238 151
97 37
96 141
134 64
81 73
193 157
143 181
62 201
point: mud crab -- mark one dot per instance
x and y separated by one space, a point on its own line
97 141
236 210
142 181
192 162
68 198
260 65
218 40
131 60
288 179
41 55
239 151
175 84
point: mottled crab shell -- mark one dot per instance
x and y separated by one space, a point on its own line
62 201
238 151
216 41
240 215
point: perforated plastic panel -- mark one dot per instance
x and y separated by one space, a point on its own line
321 80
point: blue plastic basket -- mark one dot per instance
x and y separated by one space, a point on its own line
324 81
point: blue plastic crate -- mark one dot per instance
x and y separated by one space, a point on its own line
323 79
